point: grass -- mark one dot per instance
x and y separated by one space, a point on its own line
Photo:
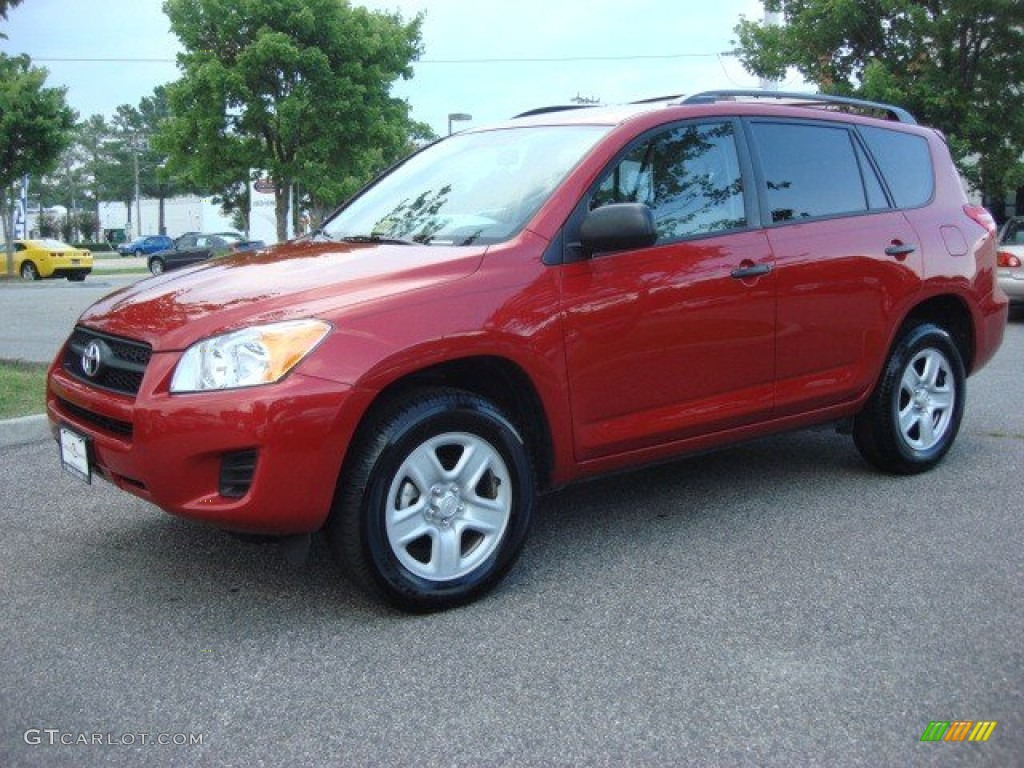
120 271
22 388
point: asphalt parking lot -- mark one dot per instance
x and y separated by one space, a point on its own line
775 604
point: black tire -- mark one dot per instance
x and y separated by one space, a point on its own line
449 534
156 266
913 416
29 271
76 278
139 253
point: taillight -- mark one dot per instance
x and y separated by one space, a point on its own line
982 216
1007 260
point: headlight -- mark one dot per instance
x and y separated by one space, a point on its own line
250 357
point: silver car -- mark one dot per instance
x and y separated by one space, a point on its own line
1010 259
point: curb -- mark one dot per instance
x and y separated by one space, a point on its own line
26 430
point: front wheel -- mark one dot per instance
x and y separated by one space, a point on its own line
139 253
156 266
914 414
435 503
29 271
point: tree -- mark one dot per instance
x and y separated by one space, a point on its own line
6 5
88 224
35 127
956 64
299 88
133 142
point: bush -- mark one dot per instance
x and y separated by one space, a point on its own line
48 225
88 224
94 246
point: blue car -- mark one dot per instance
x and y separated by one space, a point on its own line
143 246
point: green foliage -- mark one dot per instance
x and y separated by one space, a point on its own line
35 127
87 224
6 5
35 122
299 88
956 64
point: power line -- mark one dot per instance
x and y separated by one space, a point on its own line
524 60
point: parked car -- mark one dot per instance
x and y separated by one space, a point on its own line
1009 259
193 247
143 246
36 259
518 307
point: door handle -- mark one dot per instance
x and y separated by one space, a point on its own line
900 250
754 270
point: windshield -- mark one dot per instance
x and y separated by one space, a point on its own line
472 188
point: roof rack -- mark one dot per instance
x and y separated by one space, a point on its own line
892 112
556 108
656 99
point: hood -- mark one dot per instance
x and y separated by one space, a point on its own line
288 281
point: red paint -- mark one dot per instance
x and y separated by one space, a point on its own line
634 356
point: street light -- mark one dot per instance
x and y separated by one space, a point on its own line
454 117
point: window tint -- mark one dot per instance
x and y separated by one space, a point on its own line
810 170
905 163
1013 232
876 195
689 176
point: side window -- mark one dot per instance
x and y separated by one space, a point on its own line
689 176
905 162
188 241
1013 234
810 170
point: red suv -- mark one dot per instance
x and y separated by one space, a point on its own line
517 307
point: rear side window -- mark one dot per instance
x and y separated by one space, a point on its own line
810 171
905 162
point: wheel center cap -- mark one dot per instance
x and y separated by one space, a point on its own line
445 505
448 507
921 398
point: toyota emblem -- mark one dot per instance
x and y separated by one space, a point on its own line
92 358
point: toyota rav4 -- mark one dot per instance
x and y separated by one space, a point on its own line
517 307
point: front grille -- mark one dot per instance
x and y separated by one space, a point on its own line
122 362
107 424
236 473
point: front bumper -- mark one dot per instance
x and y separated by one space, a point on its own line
174 450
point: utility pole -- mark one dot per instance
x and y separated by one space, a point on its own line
138 202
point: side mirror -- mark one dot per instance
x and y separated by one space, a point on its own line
618 227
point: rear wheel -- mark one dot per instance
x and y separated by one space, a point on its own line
76 277
139 253
436 501
914 414
156 266
29 271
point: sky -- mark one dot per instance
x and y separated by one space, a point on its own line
491 59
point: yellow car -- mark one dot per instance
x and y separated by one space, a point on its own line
35 259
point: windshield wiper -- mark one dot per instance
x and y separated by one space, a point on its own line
377 239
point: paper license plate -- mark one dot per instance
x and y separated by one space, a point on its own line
74 454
